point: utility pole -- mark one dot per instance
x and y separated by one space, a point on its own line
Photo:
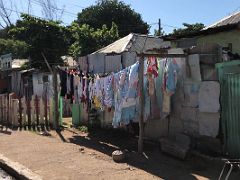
159 26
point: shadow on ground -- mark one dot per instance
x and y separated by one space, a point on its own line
154 162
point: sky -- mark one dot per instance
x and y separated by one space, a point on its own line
171 12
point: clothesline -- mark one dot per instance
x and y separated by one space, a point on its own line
162 55
120 90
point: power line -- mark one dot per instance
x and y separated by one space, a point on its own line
170 26
30 14
167 25
36 2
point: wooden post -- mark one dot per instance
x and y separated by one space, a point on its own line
29 113
20 112
37 110
33 112
46 113
141 85
24 112
55 89
41 112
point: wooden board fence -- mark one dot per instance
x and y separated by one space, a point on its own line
36 113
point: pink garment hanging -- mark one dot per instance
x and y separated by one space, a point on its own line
153 66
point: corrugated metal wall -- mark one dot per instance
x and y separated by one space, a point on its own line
231 113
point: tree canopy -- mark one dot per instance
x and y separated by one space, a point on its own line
44 36
188 29
88 40
107 11
19 49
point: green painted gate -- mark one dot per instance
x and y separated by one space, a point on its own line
229 77
231 114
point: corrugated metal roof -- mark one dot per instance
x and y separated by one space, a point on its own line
135 43
229 20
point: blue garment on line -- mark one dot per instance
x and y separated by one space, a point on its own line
147 102
124 95
158 84
172 70
133 79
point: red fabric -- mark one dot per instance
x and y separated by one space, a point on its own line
152 66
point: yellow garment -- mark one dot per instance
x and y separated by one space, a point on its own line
96 102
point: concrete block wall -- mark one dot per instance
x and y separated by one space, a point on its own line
185 116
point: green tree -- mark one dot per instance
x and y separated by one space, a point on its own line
108 11
157 33
19 49
188 29
44 36
87 40
4 33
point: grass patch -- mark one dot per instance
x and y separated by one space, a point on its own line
83 129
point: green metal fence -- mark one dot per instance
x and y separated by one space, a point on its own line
229 77
231 113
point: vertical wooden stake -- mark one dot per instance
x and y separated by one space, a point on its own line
46 112
141 71
20 112
55 88
29 113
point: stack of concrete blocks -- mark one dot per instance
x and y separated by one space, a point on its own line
195 105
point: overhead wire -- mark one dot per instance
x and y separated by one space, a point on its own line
9 9
36 2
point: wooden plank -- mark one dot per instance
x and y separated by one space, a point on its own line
28 103
46 112
36 103
41 111
14 104
24 112
6 119
32 107
20 112
50 111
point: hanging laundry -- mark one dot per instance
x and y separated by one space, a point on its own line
133 81
76 85
68 84
147 102
63 83
159 85
117 101
152 66
125 95
166 102
91 90
99 96
108 91
172 69
151 87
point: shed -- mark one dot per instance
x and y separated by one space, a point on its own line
121 53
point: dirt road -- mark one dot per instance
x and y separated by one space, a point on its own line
77 156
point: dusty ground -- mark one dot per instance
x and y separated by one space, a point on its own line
77 156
